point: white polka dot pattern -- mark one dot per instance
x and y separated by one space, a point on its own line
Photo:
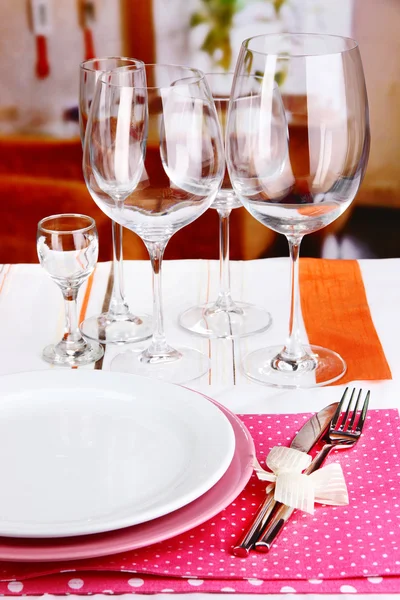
15 586
348 589
75 584
345 550
135 582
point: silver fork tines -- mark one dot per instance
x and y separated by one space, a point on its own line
353 418
348 428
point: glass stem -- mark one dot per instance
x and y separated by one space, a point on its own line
294 349
224 300
118 305
158 344
72 337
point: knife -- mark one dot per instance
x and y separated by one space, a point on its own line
304 440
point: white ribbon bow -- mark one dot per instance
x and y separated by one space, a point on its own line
293 488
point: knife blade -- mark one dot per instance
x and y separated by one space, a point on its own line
304 440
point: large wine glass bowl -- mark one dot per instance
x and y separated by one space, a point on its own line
154 160
297 150
224 317
117 324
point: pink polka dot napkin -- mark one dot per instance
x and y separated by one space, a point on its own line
344 549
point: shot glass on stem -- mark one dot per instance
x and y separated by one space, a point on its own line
67 246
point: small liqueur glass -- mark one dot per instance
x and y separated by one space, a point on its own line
67 247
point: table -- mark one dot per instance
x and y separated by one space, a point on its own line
31 316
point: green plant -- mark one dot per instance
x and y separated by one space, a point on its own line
219 15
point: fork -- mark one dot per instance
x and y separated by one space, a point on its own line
342 433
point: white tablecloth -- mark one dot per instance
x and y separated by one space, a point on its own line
32 315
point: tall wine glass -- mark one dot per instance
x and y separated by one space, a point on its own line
153 162
118 324
67 247
224 318
321 84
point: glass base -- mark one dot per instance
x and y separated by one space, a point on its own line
108 330
55 354
213 322
186 364
317 367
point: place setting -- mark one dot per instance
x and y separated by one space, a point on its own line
124 470
227 527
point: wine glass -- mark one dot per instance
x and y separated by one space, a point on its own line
118 324
153 161
224 318
320 81
67 247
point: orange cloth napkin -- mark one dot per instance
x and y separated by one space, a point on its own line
337 316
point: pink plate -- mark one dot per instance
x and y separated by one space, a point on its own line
145 534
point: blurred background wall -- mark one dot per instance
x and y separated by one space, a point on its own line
39 143
38 105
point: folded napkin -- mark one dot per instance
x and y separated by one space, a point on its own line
352 548
337 316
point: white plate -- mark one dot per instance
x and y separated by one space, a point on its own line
90 451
